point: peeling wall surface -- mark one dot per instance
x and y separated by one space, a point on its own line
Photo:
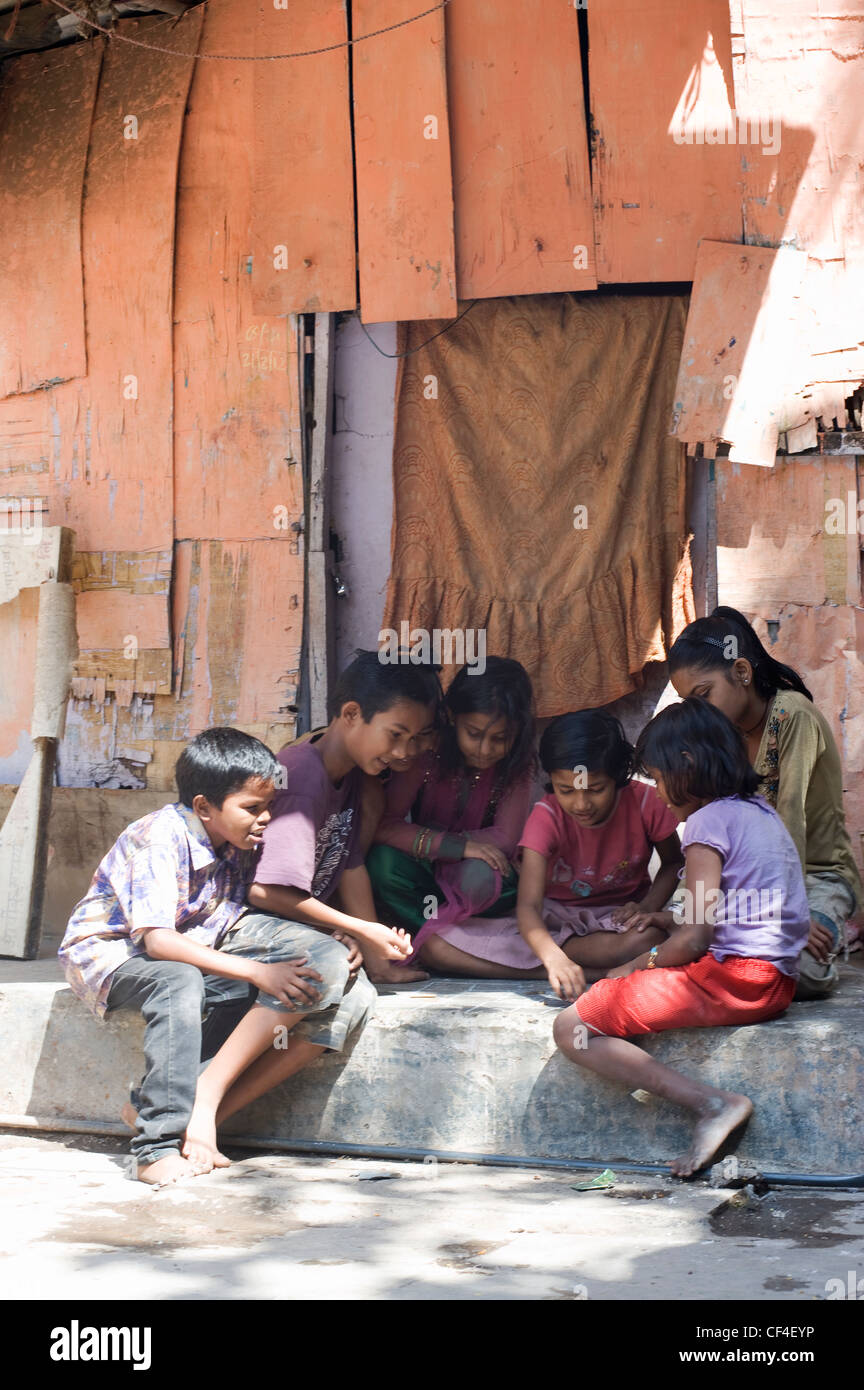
163 222
172 449
782 558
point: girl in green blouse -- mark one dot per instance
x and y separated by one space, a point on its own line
791 746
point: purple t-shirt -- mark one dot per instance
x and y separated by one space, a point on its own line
312 836
761 910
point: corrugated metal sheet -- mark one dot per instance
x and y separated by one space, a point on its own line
521 182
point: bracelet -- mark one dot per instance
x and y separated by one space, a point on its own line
422 844
652 958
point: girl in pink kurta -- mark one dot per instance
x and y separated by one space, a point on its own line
468 802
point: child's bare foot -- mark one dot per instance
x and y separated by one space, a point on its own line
719 1116
166 1170
129 1116
199 1144
388 972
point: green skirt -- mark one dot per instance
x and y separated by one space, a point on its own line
407 893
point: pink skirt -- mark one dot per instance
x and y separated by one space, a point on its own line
498 939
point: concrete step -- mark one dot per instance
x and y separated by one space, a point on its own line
468 1066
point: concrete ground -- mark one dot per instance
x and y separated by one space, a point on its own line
278 1227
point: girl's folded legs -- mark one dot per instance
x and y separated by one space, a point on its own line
448 959
603 950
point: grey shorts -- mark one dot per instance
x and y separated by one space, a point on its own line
346 1001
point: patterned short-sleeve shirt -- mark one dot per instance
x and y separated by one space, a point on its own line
161 872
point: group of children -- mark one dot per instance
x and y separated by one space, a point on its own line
403 836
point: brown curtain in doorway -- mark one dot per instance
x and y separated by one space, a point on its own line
537 492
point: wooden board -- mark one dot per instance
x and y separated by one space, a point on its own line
254 592
46 109
303 181
124 430
521 181
101 448
659 69
742 349
810 195
404 188
237 417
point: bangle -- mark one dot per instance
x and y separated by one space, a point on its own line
652 958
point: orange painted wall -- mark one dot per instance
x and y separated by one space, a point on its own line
777 561
185 494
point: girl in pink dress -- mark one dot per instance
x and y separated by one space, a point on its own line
468 801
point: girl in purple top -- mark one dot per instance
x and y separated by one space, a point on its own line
468 802
731 955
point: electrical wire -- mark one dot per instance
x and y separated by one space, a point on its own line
245 57
410 351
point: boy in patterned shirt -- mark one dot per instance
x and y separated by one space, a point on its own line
165 929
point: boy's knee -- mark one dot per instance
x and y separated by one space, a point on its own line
331 963
180 990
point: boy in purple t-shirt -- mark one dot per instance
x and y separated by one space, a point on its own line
311 871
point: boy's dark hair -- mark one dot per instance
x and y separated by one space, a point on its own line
503 689
591 738
219 762
698 752
377 685
713 643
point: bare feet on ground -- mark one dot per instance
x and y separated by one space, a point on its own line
199 1144
721 1114
166 1170
389 973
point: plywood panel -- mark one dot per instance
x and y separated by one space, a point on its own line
742 349
237 421
521 182
101 448
46 109
773 544
402 159
129 263
303 205
239 608
802 68
115 618
661 84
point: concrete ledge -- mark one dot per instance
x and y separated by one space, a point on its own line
469 1066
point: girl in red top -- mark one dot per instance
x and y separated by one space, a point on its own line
584 875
